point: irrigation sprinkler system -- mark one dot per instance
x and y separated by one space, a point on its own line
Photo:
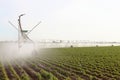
24 39
23 34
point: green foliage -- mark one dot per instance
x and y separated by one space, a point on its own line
68 78
39 76
3 75
79 78
47 76
89 63
52 77
24 77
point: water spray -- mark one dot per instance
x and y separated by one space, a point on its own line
22 48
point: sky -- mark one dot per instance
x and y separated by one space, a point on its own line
94 20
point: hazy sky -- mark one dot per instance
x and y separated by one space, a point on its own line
97 20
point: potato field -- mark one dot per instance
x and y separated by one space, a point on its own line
83 63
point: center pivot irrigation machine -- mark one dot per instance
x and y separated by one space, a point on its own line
23 34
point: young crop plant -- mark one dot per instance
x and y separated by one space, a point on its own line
39 76
68 78
24 77
47 76
3 75
11 73
21 72
79 78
